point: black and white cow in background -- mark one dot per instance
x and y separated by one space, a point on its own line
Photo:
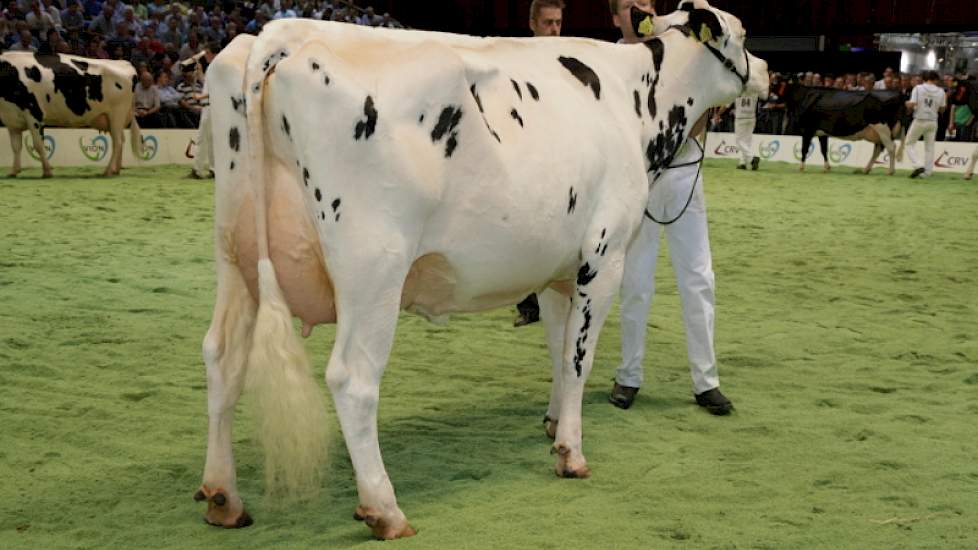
57 90
362 171
874 116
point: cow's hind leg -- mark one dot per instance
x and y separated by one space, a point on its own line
117 131
555 309
598 280
38 144
16 145
823 144
877 149
368 292
226 349
806 143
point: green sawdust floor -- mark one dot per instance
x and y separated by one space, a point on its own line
846 334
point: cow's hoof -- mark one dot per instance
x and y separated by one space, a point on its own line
384 528
569 468
968 177
12 175
890 172
827 169
47 175
801 168
223 511
550 426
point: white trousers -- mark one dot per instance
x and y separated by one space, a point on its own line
204 158
744 129
928 130
689 249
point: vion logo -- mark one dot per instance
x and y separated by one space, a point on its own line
725 150
49 146
840 153
797 151
150 146
94 149
946 160
770 148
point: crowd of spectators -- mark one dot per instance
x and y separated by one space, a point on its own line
156 35
957 123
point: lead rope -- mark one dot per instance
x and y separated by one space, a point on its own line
699 169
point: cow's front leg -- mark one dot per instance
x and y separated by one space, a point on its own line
555 309
806 143
226 348
118 134
38 145
877 149
367 303
885 135
597 281
16 145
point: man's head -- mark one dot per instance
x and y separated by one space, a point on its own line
931 77
146 80
621 15
546 17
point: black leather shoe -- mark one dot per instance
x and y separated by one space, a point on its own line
714 402
754 162
741 167
622 396
917 173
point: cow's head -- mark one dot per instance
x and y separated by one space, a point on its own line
724 36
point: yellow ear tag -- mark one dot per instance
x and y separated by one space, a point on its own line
646 27
705 34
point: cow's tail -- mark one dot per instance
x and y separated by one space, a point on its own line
136 137
290 408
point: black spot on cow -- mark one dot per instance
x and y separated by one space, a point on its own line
516 116
604 249
533 91
231 167
580 352
365 128
256 88
516 86
322 216
234 138
33 73
319 195
421 118
315 66
604 231
135 81
664 146
573 201
336 204
585 275
118 86
478 100
689 101
582 72
78 89
337 216
13 90
47 98
305 176
447 125
82 65
638 104
286 127
239 105
658 54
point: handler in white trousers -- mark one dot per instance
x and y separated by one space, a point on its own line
927 101
971 165
745 120
204 157
689 249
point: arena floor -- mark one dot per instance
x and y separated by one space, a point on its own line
846 333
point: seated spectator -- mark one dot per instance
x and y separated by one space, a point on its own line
102 25
129 20
74 42
73 18
147 100
257 24
389 22
212 29
172 31
27 43
229 34
192 47
369 18
157 6
91 8
52 10
190 90
169 101
51 42
122 39
286 11
96 48
38 20
12 12
140 10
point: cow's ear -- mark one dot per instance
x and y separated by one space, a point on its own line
705 25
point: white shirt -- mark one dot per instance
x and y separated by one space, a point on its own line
928 99
745 107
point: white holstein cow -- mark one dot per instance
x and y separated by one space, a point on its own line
38 90
380 170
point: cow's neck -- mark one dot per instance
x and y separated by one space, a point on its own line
686 82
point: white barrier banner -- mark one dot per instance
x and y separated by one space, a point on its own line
70 147
948 156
